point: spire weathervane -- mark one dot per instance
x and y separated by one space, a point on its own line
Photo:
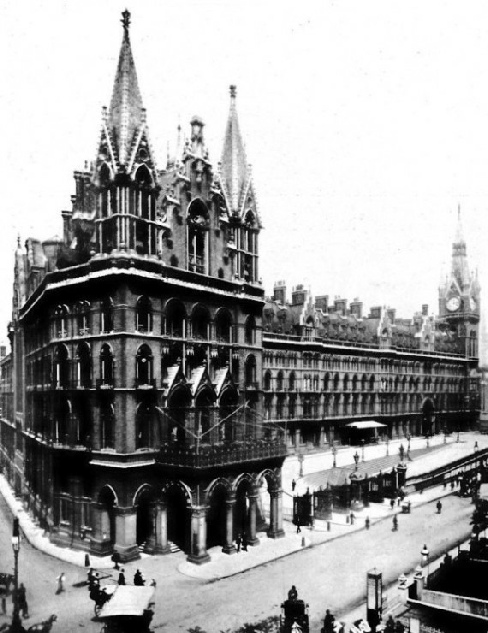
126 20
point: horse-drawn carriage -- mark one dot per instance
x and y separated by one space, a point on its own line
294 615
130 609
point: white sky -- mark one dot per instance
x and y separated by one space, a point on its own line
366 123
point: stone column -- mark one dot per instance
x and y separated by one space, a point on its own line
126 533
229 547
161 545
100 543
297 438
198 548
253 539
276 517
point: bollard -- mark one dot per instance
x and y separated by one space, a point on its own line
303 541
328 526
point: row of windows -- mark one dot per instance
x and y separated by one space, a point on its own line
291 407
63 373
357 383
315 360
197 326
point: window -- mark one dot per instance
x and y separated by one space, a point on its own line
144 426
60 368
144 315
250 331
267 381
200 323
107 419
82 318
223 327
250 371
197 222
106 312
175 319
106 365
61 322
83 361
144 362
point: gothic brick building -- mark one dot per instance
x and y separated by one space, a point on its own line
152 389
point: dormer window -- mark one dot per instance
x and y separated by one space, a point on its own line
144 315
197 222
61 322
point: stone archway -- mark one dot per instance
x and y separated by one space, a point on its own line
217 516
178 524
273 502
144 503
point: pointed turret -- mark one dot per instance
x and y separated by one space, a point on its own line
460 267
126 114
235 173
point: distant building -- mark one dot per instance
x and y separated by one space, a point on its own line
151 388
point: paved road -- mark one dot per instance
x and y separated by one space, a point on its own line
331 575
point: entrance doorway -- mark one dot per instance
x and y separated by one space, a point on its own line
178 522
216 520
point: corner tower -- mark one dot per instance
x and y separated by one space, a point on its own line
459 297
123 176
237 185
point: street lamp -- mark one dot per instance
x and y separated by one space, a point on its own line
409 437
16 624
356 459
362 450
334 453
387 444
425 558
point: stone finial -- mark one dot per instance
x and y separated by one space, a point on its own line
126 20
233 91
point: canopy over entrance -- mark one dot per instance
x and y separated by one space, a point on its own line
366 424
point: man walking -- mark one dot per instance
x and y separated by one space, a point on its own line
22 601
238 542
439 507
297 523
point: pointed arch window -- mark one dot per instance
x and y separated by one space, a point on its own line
198 223
175 319
204 413
106 365
107 426
82 318
223 327
267 381
144 365
145 426
104 199
62 421
61 367
250 371
83 366
250 331
247 248
144 182
200 322
106 314
144 315
61 322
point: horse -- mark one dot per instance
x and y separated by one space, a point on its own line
43 627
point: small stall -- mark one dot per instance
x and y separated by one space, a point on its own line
364 431
129 610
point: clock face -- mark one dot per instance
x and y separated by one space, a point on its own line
472 303
453 304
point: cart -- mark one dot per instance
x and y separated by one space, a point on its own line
294 617
129 610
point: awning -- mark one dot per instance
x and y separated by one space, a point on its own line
366 424
128 600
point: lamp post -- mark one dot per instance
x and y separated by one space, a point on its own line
362 450
356 459
16 624
387 443
334 453
409 437
425 559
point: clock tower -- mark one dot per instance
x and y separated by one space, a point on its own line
459 297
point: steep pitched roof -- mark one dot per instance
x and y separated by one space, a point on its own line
126 114
235 173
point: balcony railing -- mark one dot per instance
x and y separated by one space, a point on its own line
220 455
149 383
105 383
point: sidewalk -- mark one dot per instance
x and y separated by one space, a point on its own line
222 565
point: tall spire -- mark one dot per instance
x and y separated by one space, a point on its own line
460 266
126 112
235 172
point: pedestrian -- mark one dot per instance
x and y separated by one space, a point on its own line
352 518
238 542
91 578
395 524
138 579
329 621
366 523
452 484
293 594
61 580
439 507
116 560
476 446
293 485
244 542
122 576
297 523
22 601
392 503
